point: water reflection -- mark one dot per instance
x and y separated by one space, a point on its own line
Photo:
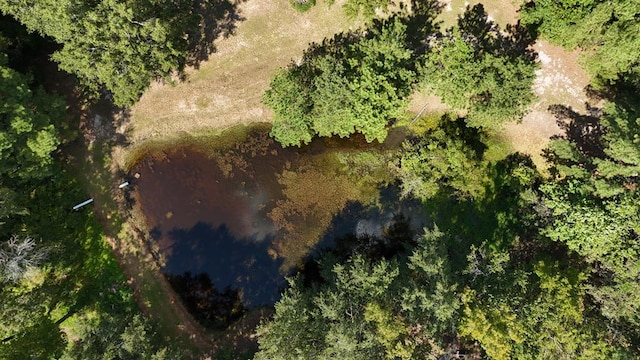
211 307
238 264
232 223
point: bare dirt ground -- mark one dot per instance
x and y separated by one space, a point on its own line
558 81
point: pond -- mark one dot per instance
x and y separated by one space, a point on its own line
231 223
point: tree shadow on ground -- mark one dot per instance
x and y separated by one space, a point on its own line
515 42
585 131
419 18
217 18
200 23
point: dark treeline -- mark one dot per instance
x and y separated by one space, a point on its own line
56 270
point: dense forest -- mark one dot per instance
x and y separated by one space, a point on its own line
518 262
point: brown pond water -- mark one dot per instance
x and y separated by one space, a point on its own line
230 224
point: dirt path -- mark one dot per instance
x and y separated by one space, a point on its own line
150 289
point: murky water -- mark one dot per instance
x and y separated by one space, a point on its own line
206 221
231 224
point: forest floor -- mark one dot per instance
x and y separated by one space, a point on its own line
226 90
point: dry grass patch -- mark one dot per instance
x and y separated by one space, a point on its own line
227 89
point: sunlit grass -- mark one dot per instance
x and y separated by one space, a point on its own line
227 89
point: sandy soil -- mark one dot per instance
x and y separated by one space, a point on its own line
560 80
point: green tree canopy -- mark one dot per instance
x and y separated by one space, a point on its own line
122 46
367 309
448 157
594 200
606 30
27 132
538 313
356 82
481 69
110 43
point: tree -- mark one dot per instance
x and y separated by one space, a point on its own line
538 314
27 132
357 82
594 203
606 30
119 45
122 337
17 256
478 68
448 157
43 340
367 309
365 8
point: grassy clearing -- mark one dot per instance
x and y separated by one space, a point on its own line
227 89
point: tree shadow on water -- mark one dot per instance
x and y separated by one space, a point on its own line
379 231
232 274
213 308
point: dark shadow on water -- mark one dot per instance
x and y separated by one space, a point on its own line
375 221
213 308
208 217
375 231
232 274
